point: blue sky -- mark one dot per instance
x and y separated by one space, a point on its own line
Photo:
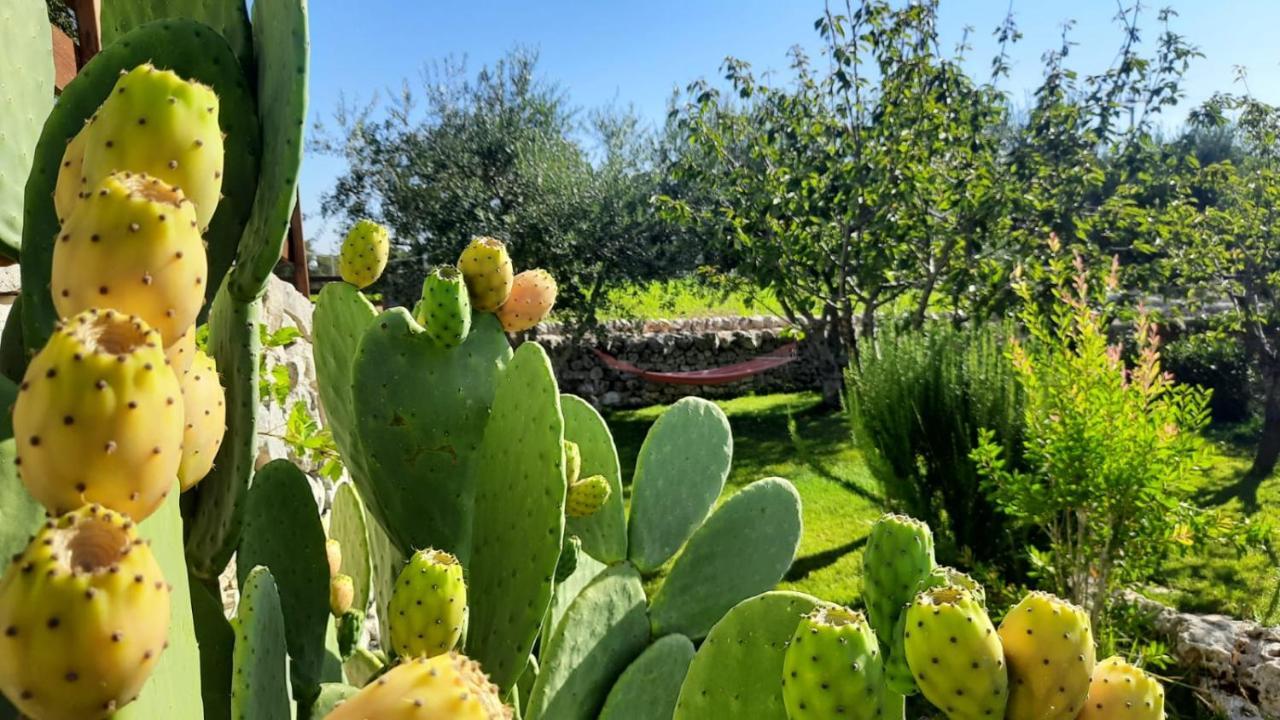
634 52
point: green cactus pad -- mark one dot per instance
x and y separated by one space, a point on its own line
213 531
566 591
26 90
518 477
282 51
195 52
744 548
229 17
13 352
604 534
737 672
524 686
331 694
342 315
387 561
347 525
282 532
216 640
260 679
680 472
899 554
649 687
20 514
422 414
602 632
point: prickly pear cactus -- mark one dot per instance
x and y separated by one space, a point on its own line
446 686
260 674
99 417
680 472
899 555
445 308
648 688
364 254
1048 644
183 352
230 19
833 667
132 245
155 122
604 533
955 654
738 669
486 268
533 294
897 674
1119 691
85 612
27 86
428 605
348 528
586 496
204 408
342 594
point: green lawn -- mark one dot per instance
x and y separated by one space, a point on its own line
683 298
790 436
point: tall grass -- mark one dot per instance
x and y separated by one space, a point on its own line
917 403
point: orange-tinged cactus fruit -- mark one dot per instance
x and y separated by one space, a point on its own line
533 294
446 686
84 617
99 417
204 407
155 122
1120 691
132 246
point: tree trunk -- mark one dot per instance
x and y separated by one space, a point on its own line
1264 461
824 338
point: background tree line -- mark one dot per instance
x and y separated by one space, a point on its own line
881 184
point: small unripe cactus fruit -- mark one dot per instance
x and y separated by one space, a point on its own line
955 655
155 122
447 686
181 353
445 308
364 254
71 184
568 562
99 417
1048 644
1120 691
897 674
342 593
899 555
333 553
833 668
204 407
132 246
533 294
587 496
486 268
572 462
428 605
84 616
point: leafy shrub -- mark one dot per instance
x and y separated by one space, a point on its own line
1215 362
917 403
1110 450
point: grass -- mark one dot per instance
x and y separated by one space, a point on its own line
684 298
790 436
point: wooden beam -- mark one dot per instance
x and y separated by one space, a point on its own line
64 58
295 250
89 23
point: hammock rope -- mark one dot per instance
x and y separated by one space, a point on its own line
711 376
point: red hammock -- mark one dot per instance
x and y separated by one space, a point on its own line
711 376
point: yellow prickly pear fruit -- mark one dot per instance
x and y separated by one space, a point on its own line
84 616
1120 691
364 253
955 655
155 122
181 353
486 268
1048 644
71 185
204 407
333 553
428 605
533 294
342 593
99 417
572 462
132 246
587 496
446 686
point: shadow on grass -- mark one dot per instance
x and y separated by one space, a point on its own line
1245 490
802 566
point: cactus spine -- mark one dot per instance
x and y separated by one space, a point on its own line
833 667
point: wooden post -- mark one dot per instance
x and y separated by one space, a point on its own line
295 248
89 23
